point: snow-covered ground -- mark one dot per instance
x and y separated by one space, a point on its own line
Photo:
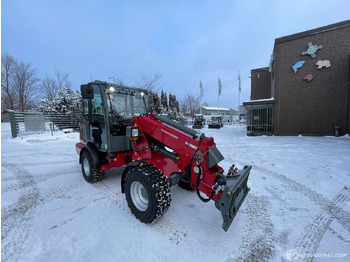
298 205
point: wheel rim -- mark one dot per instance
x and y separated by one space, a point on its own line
139 196
86 167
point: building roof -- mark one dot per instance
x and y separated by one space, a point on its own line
259 69
215 108
313 31
260 102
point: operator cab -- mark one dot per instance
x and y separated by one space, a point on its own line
107 113
216 122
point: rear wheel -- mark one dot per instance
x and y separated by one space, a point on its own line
90 173
147 193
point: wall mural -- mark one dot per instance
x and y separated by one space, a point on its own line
297 66
309 77
323 63
312 50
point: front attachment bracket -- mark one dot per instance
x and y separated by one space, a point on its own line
235 191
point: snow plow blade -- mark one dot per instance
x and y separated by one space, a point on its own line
235 191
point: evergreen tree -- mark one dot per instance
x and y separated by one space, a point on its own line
153 103
164 102
171 103
67 102
176 107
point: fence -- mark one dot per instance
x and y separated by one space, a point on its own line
34 121
260 119
62 121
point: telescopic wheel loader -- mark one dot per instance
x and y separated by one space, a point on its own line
155 152
198 122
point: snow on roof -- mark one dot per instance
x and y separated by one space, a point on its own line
215 108
262 100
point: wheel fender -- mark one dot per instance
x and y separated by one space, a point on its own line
126 170
94 155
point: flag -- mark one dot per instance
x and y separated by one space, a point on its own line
219 85
201 87
239 81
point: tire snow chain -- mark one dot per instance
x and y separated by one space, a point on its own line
160 187
98 175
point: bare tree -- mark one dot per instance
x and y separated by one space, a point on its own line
8 65
49 88
25 85
62 79
151 83
190 104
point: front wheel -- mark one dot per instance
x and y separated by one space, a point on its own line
90 173
147 193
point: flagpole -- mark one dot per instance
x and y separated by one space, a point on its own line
239 92
218 104
201 94
239 89
219 91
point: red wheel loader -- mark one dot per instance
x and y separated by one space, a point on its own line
155 153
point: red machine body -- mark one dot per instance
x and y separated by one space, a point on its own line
157 153
186 147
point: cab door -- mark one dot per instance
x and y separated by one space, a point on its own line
94 122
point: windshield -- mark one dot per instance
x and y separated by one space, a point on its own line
127 104
215 120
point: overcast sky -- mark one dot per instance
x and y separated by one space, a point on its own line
184 41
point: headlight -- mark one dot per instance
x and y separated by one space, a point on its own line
134 132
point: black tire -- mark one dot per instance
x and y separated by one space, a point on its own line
147 192
90 173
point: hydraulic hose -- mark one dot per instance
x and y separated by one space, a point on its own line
199 179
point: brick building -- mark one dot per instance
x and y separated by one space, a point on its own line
305 90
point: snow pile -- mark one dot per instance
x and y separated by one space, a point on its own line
299 203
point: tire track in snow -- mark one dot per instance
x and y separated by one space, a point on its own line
113 194
24 178
309 241
258 242
37 179
334 232
16 220
59 191
342 216
172 231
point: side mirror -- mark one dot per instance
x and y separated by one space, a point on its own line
86 92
